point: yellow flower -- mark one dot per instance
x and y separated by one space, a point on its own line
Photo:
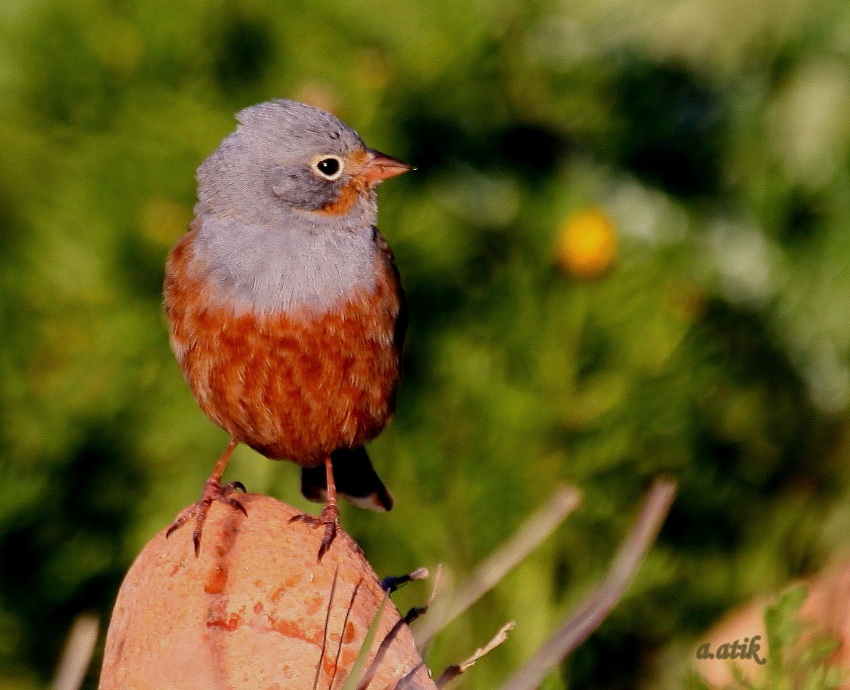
587 243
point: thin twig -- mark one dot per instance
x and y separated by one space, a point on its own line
77 654
342 631
601 600
411 615
453 672
384 647
325 633
487 575
393 583
410 681
352 682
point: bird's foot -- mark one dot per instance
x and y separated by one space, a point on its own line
329 518
213 491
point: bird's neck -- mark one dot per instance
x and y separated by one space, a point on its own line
269 268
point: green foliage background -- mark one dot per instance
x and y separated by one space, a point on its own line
713 132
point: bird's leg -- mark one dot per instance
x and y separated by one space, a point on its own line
330 513
213 491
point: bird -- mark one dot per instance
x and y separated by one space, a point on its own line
285 307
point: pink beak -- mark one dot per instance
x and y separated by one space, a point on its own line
381 167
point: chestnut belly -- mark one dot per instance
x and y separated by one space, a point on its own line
294 384
294 388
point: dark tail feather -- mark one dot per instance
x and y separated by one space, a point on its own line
355 478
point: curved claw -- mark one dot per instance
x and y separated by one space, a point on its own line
213 491
330 513
177 524
308 519
329 518
328 539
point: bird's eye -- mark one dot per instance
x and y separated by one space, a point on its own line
329 167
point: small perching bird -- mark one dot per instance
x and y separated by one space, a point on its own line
285 305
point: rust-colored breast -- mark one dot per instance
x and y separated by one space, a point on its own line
295 385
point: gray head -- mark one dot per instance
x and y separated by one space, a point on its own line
289 158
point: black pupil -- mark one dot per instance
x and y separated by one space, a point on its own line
329 166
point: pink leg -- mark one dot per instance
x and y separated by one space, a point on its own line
213 491
330 513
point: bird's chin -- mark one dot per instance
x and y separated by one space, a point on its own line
360 214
